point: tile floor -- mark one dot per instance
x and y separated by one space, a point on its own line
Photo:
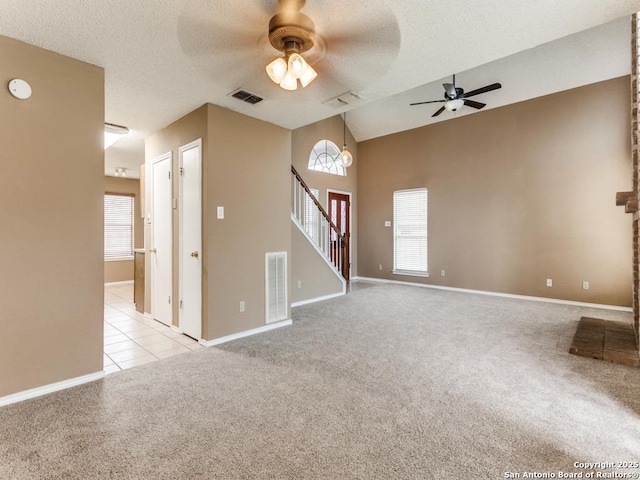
131 339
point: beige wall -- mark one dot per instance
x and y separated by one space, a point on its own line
302 141
119 271
246 169
313 275
248 173
517 195
51 285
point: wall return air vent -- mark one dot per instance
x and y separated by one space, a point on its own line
246 96
276 286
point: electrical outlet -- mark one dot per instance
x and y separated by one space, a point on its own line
549 282
242 306
379 267
299 283
442 273
585 285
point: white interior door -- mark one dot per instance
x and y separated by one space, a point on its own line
161 250
190 264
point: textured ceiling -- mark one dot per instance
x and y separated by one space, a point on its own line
163 59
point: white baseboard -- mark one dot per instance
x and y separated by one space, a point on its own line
317 299
52 387
498 294
246 333
124 282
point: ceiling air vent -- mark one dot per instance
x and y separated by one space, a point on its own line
348 98
246 96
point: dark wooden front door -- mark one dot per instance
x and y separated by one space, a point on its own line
339 208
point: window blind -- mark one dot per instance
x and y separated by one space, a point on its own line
118 227
410 239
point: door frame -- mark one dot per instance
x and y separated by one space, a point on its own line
196 143
151 189
350 195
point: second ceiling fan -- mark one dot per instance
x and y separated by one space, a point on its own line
455 98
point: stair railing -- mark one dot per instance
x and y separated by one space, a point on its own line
318 225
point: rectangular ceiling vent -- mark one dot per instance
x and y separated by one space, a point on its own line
246 96
343 100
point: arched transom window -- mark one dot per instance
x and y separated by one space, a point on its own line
324 158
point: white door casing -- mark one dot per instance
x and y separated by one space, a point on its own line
161 249
190 238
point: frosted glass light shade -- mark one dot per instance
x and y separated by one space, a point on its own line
289 82
454 105
297 65
277 70
286 71
345 157
308 76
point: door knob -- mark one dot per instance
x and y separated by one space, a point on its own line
153 250
194 254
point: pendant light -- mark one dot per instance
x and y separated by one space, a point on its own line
345 155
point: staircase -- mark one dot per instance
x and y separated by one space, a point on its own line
312 219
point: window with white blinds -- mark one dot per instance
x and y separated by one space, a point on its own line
118 227
410 232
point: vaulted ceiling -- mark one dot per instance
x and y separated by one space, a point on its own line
163 59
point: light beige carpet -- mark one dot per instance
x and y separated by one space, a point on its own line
389 382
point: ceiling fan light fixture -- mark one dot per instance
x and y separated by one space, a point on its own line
454 105
292 33
308 76
286 71
297 65
277 70
289 82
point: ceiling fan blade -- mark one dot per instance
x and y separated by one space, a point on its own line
204 35
438 112
450 88
472 104
478 91
361 44
430 101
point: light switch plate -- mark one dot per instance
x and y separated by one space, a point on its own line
220 213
